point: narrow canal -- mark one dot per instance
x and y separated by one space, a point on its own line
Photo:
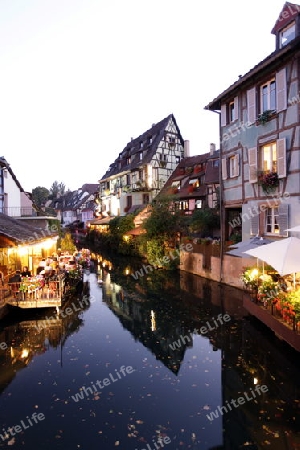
164 361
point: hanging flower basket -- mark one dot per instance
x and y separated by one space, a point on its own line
269 181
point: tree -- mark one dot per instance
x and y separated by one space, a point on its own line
40 195
67 244
205 220
119 225
57 189
163 222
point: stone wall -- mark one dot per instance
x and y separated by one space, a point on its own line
231 270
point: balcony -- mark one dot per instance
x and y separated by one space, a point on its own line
18 211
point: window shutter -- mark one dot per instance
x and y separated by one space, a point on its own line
281 157
283 218
252 158
254 223
223 115
281 91
224 169
236 108
251 105
237 165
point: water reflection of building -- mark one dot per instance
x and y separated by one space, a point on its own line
28 338
258 358
158 322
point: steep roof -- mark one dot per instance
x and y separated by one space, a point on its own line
185 172
4 163
150 140
75 199
20 232
271 62
287 15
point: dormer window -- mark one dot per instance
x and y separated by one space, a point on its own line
287 34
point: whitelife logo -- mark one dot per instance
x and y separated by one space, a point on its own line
161 442
11 431
102 384
237 402
203 330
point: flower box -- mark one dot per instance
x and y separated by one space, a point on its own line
269 181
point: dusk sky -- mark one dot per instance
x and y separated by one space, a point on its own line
79 78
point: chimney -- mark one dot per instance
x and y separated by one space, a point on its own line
131 139
212 149
186 149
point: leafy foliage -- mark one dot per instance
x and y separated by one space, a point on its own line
205 220
57 189
67 244
121 224
40 195
163 222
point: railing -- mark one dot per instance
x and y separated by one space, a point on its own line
18 211
51 289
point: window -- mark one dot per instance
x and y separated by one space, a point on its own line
171 141
268 96
141 144
177 159
128 160
231 112
141 156
183 205
198 204
287 35
215 163
234 166
272 226
128 181
145 199
129 201
269 157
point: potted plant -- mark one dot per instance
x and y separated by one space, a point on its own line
269 181
265 116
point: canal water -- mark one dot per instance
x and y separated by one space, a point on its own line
166 360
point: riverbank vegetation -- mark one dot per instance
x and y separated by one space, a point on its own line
161 232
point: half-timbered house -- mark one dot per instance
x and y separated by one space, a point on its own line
142 169
260 138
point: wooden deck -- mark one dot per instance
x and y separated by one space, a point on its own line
49 296
34 303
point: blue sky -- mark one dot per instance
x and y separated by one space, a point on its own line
79 78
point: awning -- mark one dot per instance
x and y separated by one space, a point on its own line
136 232
103 221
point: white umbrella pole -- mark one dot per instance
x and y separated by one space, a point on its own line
294 280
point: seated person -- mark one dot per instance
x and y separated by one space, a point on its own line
25 272
16 278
